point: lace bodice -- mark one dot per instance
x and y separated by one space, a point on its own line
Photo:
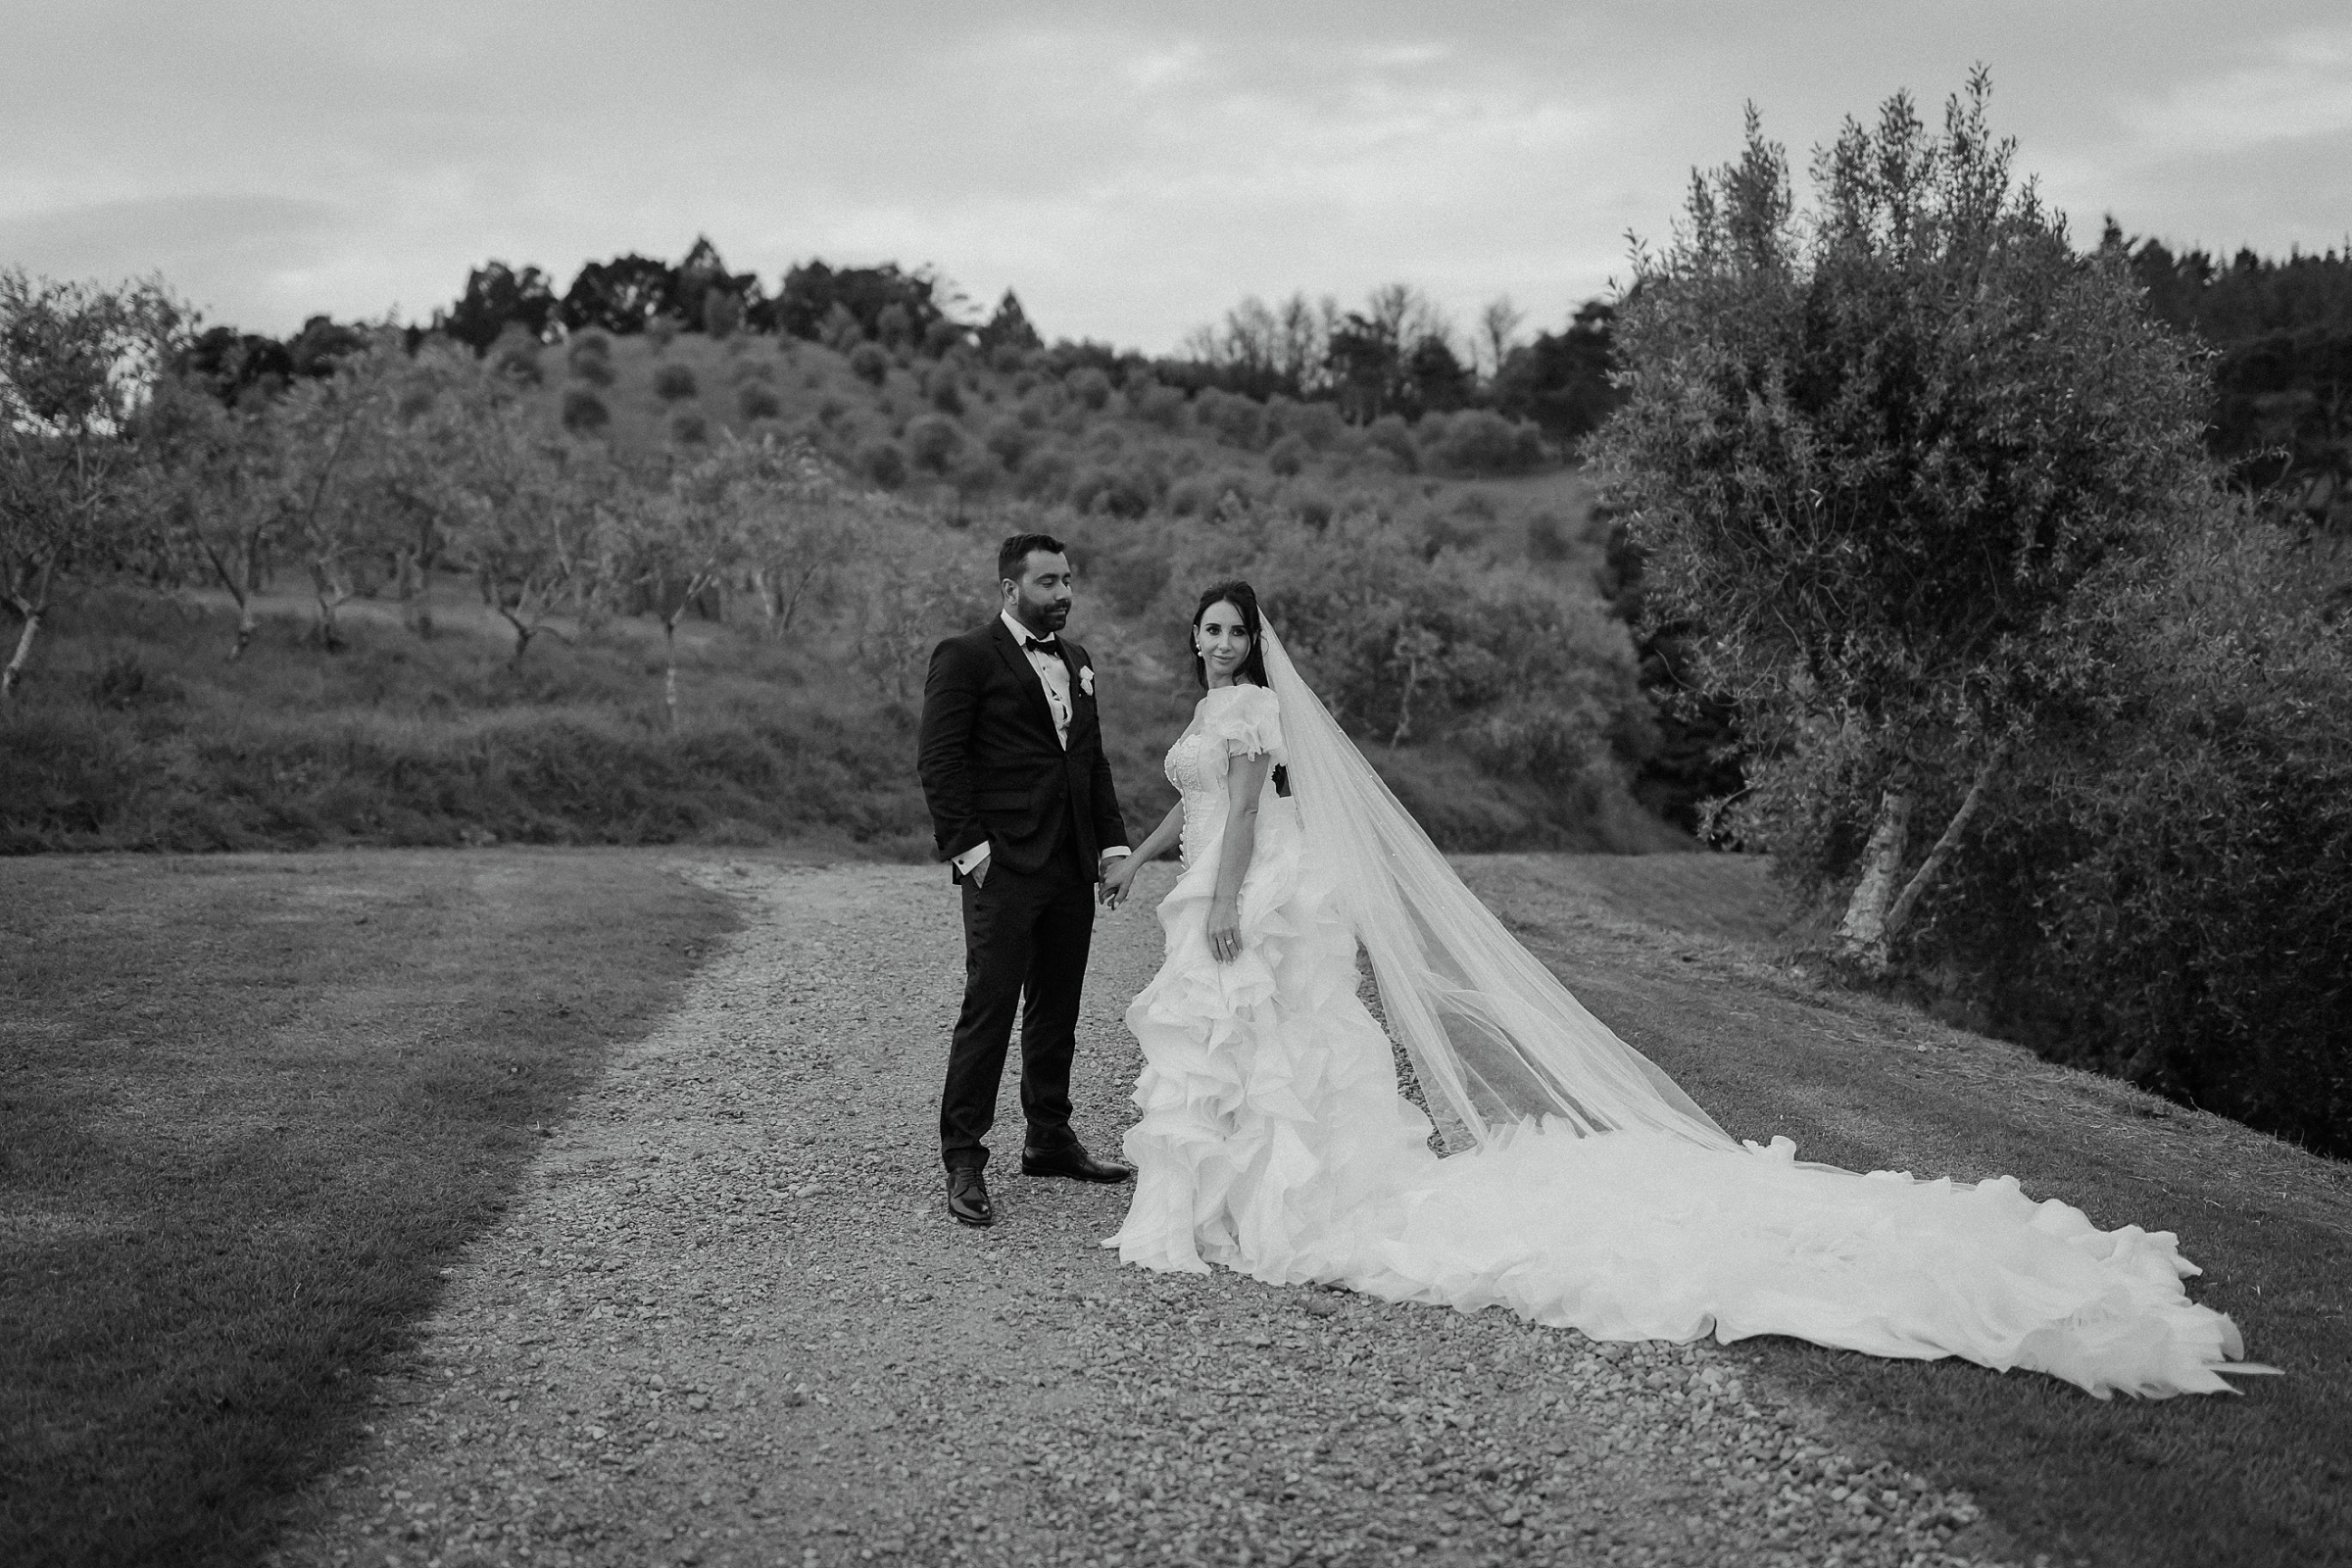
1229 721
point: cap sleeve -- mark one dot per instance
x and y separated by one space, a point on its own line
1247 720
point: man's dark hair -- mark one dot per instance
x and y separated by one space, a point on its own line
1012 555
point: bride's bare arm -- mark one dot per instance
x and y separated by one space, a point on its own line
1162 839
1245 782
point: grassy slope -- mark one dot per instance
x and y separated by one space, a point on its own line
1867 1084
252 1106
818 396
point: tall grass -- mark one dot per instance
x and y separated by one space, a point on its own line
139 733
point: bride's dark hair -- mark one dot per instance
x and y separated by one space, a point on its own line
1242 597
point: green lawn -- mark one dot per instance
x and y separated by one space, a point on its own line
250 1107
2265 1478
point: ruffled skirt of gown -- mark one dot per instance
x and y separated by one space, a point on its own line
1273 1142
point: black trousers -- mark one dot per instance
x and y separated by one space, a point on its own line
1025 941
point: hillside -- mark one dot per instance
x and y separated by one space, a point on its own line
956 433
1448 611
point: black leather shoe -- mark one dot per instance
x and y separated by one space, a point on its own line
1074 1162
968 1197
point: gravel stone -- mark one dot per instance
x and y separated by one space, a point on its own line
728 1321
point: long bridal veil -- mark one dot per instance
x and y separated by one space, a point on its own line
1494 1038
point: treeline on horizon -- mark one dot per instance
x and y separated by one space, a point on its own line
2280 331
1397 354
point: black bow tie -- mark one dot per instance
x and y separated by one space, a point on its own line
1049 646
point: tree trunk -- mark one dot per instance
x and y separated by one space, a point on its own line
241 589
1931 868
15 672
329 594
1862 935
669 671
34 609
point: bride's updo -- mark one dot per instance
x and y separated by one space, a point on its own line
1242 597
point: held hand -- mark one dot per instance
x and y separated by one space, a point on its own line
1116 877
1225 929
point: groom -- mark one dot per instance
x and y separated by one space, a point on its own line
1022 800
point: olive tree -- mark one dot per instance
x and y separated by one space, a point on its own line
77 365
328 450
1877 450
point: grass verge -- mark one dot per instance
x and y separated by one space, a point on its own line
1868 1083
250 1107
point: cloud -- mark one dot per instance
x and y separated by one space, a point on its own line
240 247
1131 171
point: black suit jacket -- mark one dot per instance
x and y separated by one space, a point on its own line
993 771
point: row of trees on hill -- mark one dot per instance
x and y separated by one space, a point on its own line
2282 336
2022 684
1395 355
118 454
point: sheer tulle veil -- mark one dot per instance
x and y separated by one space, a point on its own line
1494 1038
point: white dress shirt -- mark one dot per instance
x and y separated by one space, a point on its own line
1055 676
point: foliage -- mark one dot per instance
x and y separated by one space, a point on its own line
2282 336
497 297
1008 328
674 383
1877 453
1480 441
1561 379
2174 900
619 296
77 364
584 412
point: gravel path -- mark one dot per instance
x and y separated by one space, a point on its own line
728 1321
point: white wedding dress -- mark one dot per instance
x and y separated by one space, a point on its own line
1273 1140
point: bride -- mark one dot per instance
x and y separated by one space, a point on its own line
1588 1192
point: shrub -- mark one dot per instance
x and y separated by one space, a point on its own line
1391 434
1156 405
663 330
2168 896
975 473
722 314
1091 387
756 401
1318 424
1011 441
1238 420
1126 491
884 463
946 396
831 409
1547 537
689 430
1313 508
595 370
1006 358
1480 441
1046 475
933 441
589 345
674 383
584 412
870 361
1287 456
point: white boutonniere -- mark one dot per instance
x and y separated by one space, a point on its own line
1086 680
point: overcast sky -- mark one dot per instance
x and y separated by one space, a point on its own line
1131 169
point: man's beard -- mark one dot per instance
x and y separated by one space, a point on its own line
1046 617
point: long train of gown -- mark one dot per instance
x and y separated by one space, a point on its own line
1273 1140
